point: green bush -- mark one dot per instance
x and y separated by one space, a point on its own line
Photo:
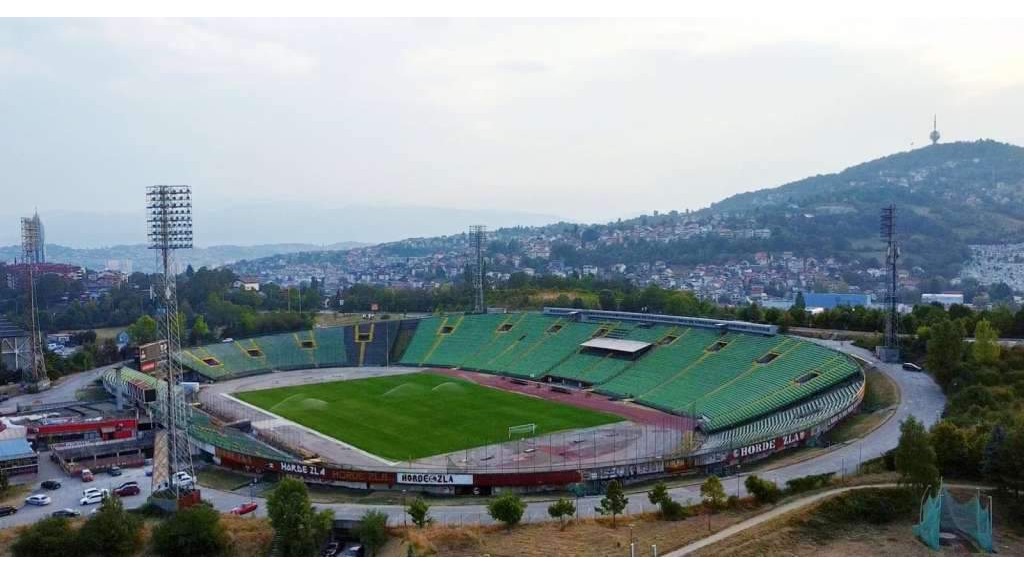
507 509
195 531
764 491
871 505
808 483
49 537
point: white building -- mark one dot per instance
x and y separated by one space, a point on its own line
946 299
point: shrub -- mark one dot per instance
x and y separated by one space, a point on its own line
872 505
419 512
713 492
111 531
373 530
562 508
672 510
808 483
48 537
507 509
764 491
195 531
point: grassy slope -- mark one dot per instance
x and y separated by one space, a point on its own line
417 415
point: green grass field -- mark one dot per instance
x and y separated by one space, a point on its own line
416 415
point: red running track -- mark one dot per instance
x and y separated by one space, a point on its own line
579 398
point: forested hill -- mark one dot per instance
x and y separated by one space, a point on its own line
947 196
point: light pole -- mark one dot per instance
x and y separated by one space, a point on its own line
632 550
405 513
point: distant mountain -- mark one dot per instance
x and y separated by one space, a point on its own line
284 222
137 258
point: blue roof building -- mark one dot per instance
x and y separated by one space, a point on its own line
828 300
17 457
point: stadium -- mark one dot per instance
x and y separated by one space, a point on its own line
471 403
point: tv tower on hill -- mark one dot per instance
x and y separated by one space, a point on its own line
934 136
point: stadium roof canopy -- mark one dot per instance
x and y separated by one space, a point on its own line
616 345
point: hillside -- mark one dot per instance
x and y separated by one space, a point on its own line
144 260
948 196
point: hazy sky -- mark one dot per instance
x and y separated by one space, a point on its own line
585 119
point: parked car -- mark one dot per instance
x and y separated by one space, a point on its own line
129 483
38 500
51 484
115 471
87 475
94 496
182 480
128 490
331 549
353 551
911 367
66 513
243 509
7 510
149 471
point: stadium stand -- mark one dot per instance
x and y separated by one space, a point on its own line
800 417
201 427
723 377
318 348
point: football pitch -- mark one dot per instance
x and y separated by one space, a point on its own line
417 415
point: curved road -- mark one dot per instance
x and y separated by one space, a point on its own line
919 396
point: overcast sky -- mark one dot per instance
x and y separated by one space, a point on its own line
588 120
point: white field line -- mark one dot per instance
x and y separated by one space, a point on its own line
312 431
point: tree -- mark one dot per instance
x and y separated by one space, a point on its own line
713 492
658 494
952 450
614 501
606 299
669 508
50 537
144 330
562 508
112 531
298 529
986 347
945 350
507 509
419 512
915 457
193 531
373 530
200 330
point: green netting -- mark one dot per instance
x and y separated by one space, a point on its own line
942 513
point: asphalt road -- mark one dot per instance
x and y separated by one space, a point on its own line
920 397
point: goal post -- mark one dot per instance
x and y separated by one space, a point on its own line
521 430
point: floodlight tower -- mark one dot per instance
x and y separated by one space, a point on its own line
889 350
169 222
477 235
33 252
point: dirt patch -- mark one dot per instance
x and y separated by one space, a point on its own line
583 538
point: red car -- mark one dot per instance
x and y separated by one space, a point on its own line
128 490
243 509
